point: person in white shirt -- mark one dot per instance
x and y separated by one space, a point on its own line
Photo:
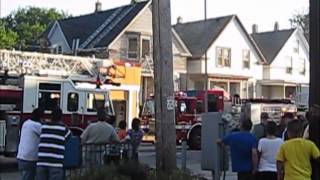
28 146
268 148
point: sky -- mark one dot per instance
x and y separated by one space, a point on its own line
261 12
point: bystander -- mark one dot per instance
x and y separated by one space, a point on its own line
52 147
28 146
243 146
267 148
293 158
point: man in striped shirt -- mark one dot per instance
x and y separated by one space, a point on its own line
52 147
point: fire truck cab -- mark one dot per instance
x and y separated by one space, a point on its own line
79 102
188 108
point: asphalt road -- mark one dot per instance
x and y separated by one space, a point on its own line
147 155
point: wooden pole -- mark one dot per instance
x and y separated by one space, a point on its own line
164 94
314 96
205 66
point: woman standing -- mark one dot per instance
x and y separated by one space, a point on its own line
268 148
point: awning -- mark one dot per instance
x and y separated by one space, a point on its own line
280 83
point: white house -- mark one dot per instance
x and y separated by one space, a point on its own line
287 69
234 61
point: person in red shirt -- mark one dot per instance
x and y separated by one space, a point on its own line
122 132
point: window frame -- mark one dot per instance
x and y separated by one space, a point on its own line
289 68
225 62
143 55
43 90
87 102
303 71
245 60
78 99
137 51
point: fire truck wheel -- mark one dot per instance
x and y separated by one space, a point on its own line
195 139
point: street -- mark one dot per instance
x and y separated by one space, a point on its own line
147 156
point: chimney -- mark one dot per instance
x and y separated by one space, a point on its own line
276 26
98 6
179 20
254 28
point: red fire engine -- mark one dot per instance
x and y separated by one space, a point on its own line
33 80
189 106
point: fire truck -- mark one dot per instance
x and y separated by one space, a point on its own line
35 80
188 108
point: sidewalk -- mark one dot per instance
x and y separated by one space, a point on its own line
8 168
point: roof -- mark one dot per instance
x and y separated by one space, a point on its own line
99 29
199 35
270 43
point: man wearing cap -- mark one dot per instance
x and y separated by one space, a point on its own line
259 129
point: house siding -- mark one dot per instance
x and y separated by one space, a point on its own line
235 38
277 69
142 26
56 38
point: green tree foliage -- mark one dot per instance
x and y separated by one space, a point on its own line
8 38
29 23
301 19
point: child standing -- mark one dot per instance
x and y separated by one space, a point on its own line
135 134
293 158
122 132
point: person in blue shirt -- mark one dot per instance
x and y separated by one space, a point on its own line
243 147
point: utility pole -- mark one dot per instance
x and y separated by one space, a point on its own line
205 65
164 93
314 98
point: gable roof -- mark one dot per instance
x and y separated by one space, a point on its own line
199 35
270 43
99 29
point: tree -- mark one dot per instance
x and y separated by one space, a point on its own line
8 38
301 19
29 23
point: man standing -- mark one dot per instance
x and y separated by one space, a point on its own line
259 129
100 132
28 146
52 147
243 146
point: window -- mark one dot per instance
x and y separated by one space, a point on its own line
148 108
49 95
212 103
246 58
296 47
223 57
302 66
289 65
95 101
73 102
185 107
133 47
58 49
145 48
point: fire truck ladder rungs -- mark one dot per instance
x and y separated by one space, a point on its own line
17 63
